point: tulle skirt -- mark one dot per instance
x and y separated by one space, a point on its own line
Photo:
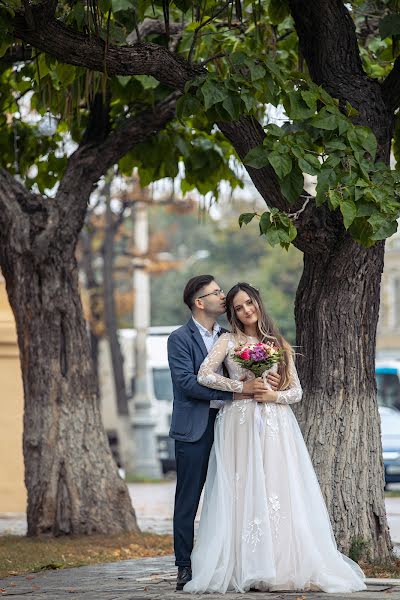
264 523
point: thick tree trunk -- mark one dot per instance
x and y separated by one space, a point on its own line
72 480
337 306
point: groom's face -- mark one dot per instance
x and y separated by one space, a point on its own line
211 299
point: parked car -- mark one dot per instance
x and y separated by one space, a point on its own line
390 427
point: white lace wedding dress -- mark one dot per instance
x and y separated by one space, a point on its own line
264 523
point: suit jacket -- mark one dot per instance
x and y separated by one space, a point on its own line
186 352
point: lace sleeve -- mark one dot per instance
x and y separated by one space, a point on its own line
294 392
207 374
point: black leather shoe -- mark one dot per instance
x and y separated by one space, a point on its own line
184 575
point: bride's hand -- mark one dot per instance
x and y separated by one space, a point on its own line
266 396
254 386
274 380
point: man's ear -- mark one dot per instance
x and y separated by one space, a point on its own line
199 303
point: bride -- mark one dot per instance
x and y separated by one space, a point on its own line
264 523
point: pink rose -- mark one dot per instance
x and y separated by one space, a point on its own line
245 355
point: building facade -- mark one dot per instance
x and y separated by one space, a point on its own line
388 333
12 489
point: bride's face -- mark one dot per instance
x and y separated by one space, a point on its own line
245 309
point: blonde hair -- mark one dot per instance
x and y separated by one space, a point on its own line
266 328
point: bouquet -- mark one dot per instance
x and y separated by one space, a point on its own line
257 358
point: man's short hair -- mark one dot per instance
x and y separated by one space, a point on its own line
193 286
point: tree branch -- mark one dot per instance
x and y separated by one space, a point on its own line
14 222
151 27
391 87
328 42
317 227
75 48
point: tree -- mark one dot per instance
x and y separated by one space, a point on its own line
72 481
322 61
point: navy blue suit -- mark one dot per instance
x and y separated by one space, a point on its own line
192 427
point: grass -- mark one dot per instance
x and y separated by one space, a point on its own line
21 555
382 570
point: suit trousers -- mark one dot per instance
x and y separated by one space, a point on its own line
191 471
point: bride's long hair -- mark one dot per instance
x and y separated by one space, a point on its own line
266 328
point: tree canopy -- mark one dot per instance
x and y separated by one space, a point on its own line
231 62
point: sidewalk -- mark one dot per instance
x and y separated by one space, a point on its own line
148 579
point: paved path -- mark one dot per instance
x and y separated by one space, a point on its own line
148 579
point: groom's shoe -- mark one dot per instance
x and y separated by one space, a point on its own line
184 575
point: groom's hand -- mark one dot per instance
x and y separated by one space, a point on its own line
274 380
253 386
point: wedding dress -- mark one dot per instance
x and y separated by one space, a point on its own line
264 523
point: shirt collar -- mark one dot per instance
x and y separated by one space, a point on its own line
204 331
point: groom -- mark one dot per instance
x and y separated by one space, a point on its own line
195 408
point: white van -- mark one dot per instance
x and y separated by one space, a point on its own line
159 385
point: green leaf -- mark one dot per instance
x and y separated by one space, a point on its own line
335 145
335 198
297 107
325 120
365 209
310 164
350 110
292 185
257 71
310 98
349 210
326 178
249 101
148 82
105 5
245 218
367 140
389 26
232 105
343 125
275 131
272 235
187 105
257 157
118 5
387 229
281 164
278 10
361 231
213 92
265 222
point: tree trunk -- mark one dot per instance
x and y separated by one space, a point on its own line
337 306
72 480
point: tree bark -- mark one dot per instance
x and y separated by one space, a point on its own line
337 306
72 480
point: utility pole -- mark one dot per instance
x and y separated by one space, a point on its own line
147 462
